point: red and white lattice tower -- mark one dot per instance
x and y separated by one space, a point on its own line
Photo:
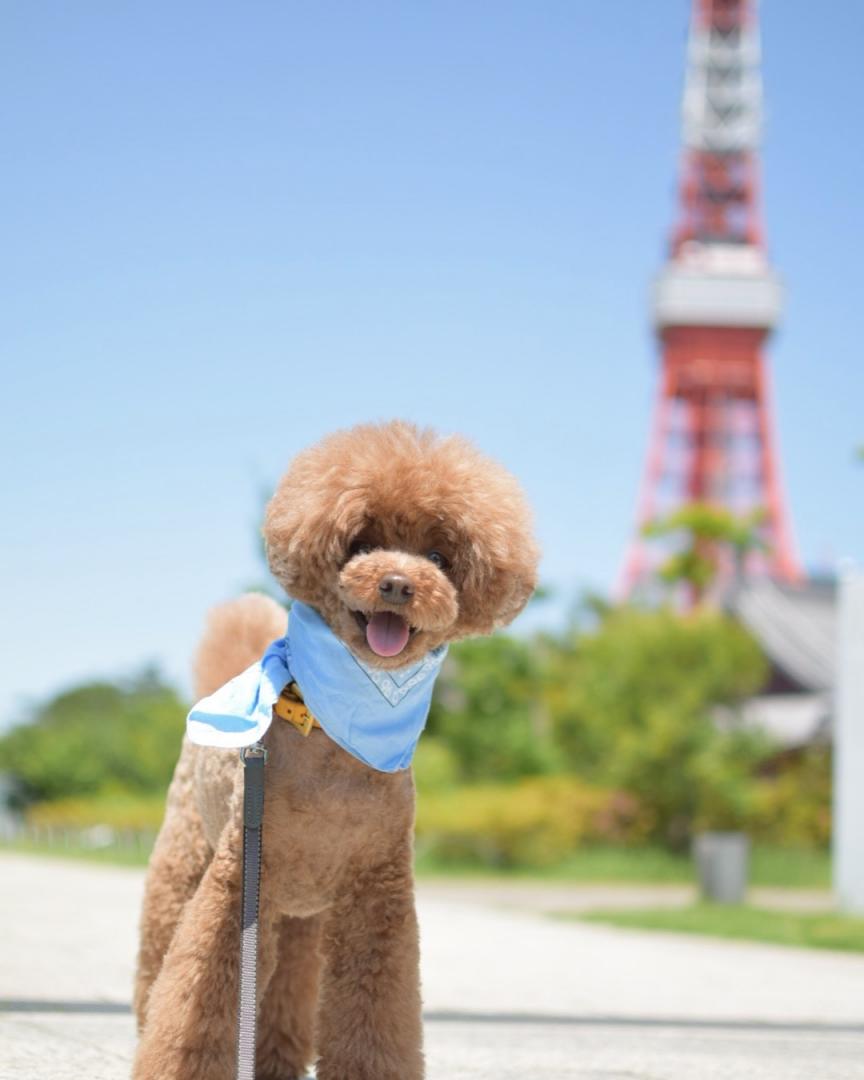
715 304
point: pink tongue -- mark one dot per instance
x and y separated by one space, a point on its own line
386 633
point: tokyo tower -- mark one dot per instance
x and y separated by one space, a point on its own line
715 303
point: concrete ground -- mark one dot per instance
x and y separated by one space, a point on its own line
509 993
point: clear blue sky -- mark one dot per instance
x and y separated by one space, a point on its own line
230 228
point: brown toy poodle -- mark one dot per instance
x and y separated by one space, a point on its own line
401 541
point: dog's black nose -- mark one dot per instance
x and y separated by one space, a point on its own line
396 588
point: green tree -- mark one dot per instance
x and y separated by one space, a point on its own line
709 533
489 710
98 737
646 703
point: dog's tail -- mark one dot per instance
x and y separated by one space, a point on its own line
235 636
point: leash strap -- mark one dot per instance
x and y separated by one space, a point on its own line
254 758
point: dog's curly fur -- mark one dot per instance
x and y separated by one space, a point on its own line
338 952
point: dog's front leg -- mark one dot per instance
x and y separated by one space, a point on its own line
370 1025
191 1030
178 863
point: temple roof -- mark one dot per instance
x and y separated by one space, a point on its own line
795 625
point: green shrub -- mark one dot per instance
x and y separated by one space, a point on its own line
633 706
120 811
436 766
490 710
534 822
794 807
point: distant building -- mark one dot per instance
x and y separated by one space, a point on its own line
796 626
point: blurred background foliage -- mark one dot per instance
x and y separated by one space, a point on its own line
622 731
97 739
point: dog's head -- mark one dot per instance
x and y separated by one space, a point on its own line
401 540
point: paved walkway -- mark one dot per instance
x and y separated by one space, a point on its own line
509 994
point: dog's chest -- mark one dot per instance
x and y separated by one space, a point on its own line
327 816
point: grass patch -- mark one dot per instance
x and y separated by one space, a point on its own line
112 854
781 867
811 931
800 868
596 864
788 868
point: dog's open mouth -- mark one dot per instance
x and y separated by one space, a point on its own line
386 632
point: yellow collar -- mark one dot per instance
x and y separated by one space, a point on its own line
291 707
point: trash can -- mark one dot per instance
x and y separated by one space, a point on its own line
722 864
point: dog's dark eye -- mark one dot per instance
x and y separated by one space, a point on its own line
437 558
359 548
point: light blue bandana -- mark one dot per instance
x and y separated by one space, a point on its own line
375 715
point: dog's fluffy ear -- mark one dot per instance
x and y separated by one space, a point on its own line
500 580
309 524
499 555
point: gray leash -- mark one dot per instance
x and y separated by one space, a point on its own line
254 758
